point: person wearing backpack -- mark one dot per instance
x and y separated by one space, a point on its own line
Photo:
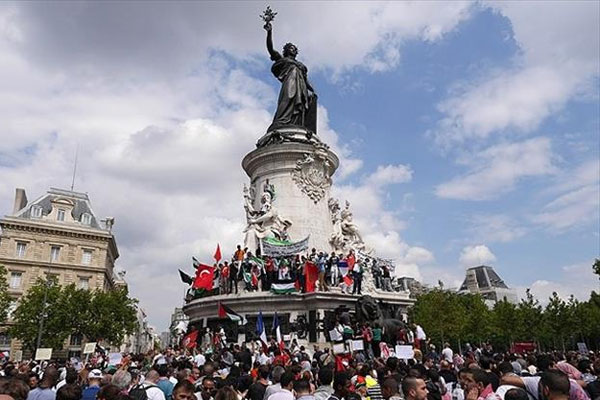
149 389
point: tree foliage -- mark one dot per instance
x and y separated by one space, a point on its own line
67 310
5 298
449 316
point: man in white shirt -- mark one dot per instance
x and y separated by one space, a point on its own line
152 390
447 353
287 383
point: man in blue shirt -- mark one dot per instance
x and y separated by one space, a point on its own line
94 379
163 381
44 390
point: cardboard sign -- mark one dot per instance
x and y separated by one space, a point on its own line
582 347
357 345
334 335
43 354
339 348
89 348
114 358
18 355
404 352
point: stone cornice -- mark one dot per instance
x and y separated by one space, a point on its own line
26 225
283 152
25 263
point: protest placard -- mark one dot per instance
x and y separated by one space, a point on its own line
89 348
43 354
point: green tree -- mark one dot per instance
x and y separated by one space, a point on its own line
557 317
506 322
5 298
31 308
441 315
112 315
596 267
477 326
531 318
67 310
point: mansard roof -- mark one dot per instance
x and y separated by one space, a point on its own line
79 202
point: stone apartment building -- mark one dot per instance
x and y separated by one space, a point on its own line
56 236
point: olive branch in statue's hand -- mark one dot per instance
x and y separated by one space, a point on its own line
268 15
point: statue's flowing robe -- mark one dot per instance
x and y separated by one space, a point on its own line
294 106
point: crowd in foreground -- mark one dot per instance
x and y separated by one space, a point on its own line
261 372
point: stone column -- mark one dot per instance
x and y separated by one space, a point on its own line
301 176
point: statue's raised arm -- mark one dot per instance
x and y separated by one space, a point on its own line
272 52
297 104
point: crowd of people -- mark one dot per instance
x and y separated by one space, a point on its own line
270 371
258 273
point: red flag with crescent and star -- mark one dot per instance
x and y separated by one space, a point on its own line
189 341
204 277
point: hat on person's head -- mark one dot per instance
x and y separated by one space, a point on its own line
95 374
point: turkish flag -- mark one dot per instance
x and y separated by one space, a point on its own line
204 277
217 255
312 274
189 341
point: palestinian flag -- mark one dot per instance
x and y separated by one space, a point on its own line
259 261
195 262
283 288
185 278
251 278
226 312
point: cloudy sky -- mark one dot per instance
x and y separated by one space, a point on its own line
468 132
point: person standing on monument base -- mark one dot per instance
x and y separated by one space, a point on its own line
321 265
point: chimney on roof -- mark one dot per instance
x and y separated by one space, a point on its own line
20 200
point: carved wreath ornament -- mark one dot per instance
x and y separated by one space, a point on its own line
313 175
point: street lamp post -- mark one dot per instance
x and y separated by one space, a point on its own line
43 316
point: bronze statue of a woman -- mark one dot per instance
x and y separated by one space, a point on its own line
297 104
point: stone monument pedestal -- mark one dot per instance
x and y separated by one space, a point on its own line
300 174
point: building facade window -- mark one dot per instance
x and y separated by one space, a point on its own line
74 354
54 253
21 248
76 339
60 215
12 306
15 280
84 283
86 257
53 278
4 340
36 212
86 219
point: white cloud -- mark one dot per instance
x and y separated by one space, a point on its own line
559 58
576 279
388 174
578 200
497 169
379 225
494 228
170 38
472 256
